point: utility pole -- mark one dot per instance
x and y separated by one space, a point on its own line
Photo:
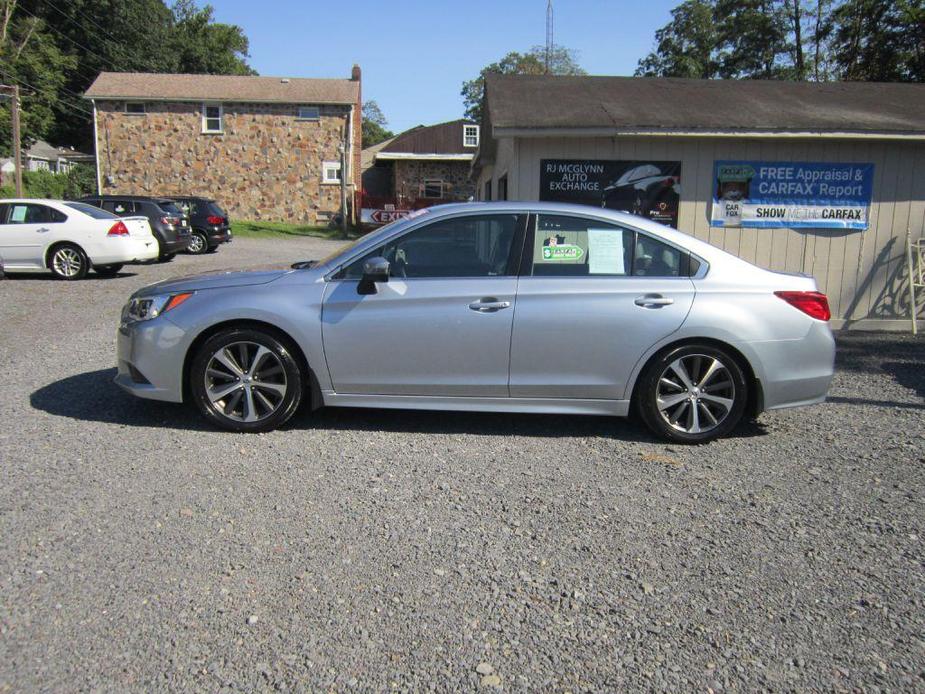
17 151
343 191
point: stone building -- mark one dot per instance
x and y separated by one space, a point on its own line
424 166
266 148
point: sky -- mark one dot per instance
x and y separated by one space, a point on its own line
415 55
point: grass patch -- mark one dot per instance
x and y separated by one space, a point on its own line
280 230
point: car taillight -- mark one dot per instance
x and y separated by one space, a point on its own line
118 229
215 220
813 304
170 220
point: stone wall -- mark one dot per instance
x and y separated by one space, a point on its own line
411 174
266 164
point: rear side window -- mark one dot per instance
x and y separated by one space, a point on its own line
656 259
119 207
90 210
566 246
170 209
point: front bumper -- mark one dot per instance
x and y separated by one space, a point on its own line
150 356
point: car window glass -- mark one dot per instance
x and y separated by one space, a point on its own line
4 210
119 207
574 247
170 208
216 209
472 246
18 214
90 210
656 259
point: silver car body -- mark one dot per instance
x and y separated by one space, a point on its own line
563 344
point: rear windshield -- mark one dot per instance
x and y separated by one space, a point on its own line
215 208
90 210
170 208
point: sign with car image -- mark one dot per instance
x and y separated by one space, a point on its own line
651 189
767 194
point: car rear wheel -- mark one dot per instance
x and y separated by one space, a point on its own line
108 270
198 243
69 262
246 380
692 394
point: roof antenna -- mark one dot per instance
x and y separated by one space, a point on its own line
549 42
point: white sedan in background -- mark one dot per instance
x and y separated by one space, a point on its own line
70 238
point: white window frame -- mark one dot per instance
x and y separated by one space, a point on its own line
325 167
470 130
299 115
205 119
143 111
433 182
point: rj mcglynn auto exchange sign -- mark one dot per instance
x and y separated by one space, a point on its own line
791 194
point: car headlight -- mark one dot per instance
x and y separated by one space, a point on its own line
148 307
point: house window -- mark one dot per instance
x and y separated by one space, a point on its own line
470 136
212 118
135 108
433 188
330 172
487 197
309 113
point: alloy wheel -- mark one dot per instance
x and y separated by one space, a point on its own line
245 381
695 393
197 243
67 262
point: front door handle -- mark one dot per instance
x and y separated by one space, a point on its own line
43 230
489 304
653 301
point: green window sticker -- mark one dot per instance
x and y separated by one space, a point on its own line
565 251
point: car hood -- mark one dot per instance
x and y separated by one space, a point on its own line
212 280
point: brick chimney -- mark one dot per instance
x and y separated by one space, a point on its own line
356 73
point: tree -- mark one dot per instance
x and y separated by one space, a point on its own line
563 61
686 46
374 125
204 46
753 39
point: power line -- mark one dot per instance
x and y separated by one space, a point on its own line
87 17
76 43
52 104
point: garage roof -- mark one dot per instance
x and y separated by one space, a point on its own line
616 104
444 140
246 88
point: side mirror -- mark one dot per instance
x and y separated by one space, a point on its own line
374 270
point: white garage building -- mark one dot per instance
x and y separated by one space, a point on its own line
803 177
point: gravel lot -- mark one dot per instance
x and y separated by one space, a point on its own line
371 550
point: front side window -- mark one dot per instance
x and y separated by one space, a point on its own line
212 118
309 113
432 188
27 213
330 172
474 246
470 136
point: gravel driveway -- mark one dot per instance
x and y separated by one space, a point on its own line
372 550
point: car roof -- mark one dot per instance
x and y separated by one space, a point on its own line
190 197
134 198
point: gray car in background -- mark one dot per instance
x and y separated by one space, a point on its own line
500 307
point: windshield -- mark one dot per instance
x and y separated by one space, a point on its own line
91 211
391 225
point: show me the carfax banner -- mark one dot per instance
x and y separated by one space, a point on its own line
791 194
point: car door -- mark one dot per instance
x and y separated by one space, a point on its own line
24 234
592 298
441 325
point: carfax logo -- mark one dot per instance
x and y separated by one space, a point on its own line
562 252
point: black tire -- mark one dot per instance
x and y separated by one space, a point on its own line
67 261
198 243
705 391
108 270
258 387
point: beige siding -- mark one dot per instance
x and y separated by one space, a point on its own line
862 272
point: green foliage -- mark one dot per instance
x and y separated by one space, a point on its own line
880 40
282 230
78 181
562 61
375 128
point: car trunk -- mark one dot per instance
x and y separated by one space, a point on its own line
138 227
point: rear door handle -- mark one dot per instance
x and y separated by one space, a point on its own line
43 230
489 305
653 301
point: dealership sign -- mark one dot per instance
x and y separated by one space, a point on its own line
648 188
791 194
373 216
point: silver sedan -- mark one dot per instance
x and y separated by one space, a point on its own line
501 307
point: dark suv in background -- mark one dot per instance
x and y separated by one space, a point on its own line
170 226
209 222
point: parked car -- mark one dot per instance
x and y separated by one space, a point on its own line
501 307
169 224
70 238
210 226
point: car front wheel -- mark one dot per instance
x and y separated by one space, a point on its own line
69 262
692 394
246 380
